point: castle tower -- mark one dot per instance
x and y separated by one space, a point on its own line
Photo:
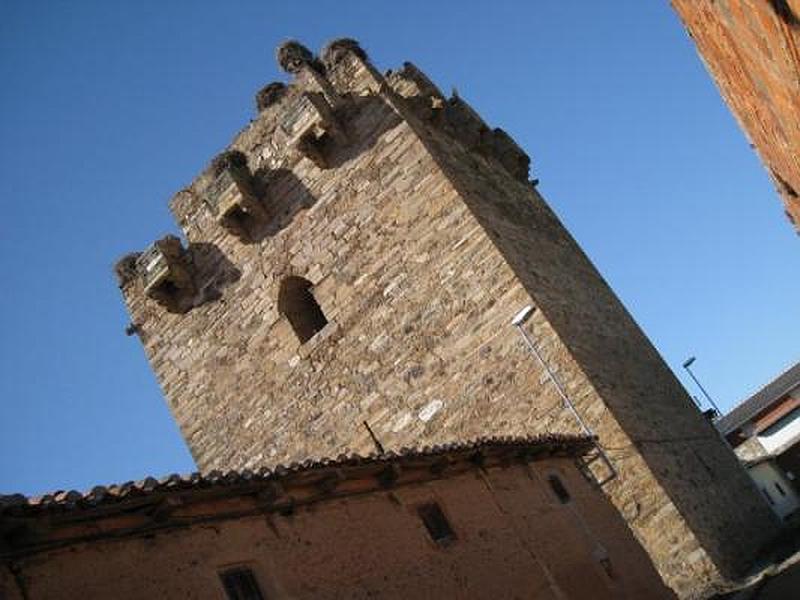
352 266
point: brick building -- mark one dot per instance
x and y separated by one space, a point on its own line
491 519
354 260
752 50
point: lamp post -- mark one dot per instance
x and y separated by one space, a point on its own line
518 321
688 363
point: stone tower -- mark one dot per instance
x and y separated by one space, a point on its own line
352 265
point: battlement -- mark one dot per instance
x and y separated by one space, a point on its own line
313 120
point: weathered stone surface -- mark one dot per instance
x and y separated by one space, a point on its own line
292 56
752 49
269 95
421 238
338 49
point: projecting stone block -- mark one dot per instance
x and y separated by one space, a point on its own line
165 272
233 201
313 128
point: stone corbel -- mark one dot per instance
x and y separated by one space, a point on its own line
231 197
233 193
318 129
165 272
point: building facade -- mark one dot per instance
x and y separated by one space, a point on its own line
492 519
354 261
752 50
778 488
764 431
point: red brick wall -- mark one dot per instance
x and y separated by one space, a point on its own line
752 49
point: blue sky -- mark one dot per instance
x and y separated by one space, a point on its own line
107 108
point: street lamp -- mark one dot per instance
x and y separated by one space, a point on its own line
518 321
688 363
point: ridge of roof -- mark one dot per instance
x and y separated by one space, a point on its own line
761 399
19 504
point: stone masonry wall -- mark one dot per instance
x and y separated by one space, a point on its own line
633 402
752 50
422 238
513 539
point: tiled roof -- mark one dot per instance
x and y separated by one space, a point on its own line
761 400
60 501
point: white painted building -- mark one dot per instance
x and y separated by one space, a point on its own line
764 431
775 485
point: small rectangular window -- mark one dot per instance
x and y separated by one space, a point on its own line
780 489
240 584
436 523
766 493
558 489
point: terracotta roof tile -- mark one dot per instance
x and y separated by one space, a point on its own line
570 445
761 400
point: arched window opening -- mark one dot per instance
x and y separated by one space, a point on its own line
297 303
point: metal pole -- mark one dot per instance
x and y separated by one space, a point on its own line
688 363
686 366
551 376
518 322
375 440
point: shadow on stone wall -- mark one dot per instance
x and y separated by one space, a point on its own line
212 273
618 359
364 120
284 195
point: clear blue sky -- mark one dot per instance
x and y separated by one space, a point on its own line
109 107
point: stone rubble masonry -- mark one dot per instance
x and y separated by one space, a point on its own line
752 50
422 237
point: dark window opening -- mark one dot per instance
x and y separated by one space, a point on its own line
317 147
166 293
558 489
298 304
436 523
766 493
238 220
167 288
780 489
240 584
608 567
